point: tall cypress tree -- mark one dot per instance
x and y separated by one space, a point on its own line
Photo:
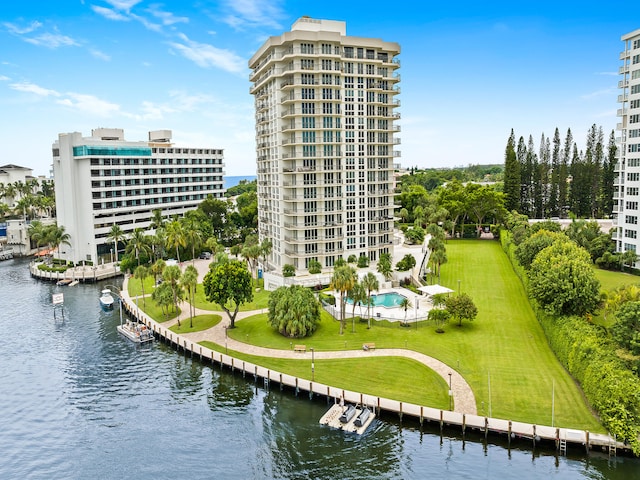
543 165
596 183
555 175
511 176
608 175
534 190
563 177
526 177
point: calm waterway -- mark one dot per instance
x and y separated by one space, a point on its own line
79 401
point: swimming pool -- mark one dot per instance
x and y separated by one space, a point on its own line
387 300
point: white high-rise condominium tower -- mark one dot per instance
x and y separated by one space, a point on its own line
627 186
325 106
104 180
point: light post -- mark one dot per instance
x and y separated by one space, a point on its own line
119 295
313 366
458 286
450 393
417 312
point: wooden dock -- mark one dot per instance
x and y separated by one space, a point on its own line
332 419
563 438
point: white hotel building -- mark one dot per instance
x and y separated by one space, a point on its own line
104 180
325 108
626 208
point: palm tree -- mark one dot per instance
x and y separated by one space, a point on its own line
252 253
57 236
193 237
267 247
342 281
157 222
115 235
37 233
138 244
141 272
370 283
10 193
437 258
384 266
405 304
176 237
158 241
358 295
156 269
171 277
189 282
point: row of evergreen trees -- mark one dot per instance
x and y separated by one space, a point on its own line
556 178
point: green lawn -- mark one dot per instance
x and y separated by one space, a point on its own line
505 347
611 280
260 299
200 322
152 309
134 289
383 377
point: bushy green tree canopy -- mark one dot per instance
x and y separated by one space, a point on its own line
229 285
294 311
562 280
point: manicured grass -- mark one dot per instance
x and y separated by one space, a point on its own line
260 299
386 377
152 309
611 280
200 322
134 289
505 347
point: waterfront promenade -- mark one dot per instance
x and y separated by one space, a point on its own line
463 416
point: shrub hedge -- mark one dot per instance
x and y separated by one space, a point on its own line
609 386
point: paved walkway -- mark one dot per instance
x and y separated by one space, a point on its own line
463 398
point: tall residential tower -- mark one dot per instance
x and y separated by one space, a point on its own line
627 187
325 107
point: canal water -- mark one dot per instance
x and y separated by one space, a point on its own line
78 401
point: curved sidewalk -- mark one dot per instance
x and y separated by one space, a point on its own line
463 398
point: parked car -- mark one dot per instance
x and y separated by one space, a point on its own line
205 256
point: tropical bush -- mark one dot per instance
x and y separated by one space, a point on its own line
294 311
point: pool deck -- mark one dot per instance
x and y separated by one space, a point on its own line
394 314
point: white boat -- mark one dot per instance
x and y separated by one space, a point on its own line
136 332
106 299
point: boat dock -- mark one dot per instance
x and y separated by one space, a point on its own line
84 274
332 419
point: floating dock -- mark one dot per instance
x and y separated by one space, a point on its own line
332 418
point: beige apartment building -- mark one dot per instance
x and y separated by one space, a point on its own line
326 132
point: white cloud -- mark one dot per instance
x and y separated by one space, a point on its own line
156 27
253 13
167 18
599 93
89 104
16 30
124 5
206 56
99 55
35 89
4 78
110 14
52 40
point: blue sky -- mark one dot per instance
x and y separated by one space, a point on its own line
470 71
